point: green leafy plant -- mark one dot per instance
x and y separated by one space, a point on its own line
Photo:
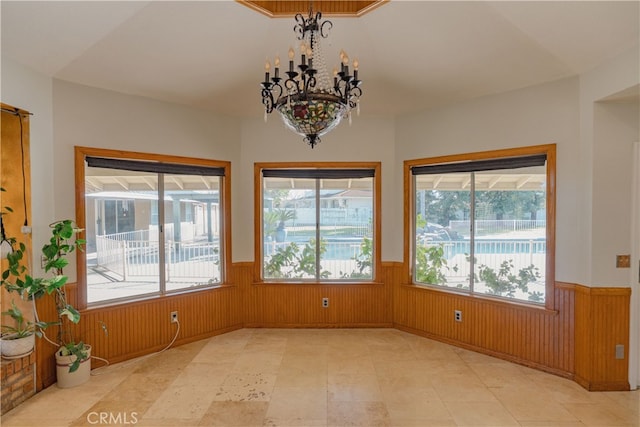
431 265
16 278
22 327
505 282
291 261
274 221
364 262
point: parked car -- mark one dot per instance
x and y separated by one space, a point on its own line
438 233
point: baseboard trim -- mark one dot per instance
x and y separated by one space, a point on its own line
603 386
317 325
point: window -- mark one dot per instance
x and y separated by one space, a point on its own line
483 223
317 223
153 224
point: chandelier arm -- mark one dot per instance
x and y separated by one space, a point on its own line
300 27
310 82
354 96
325 27
276 91
267 100
292 85
342 90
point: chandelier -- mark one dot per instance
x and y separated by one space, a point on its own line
309 101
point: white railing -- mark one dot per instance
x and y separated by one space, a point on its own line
492 253
110 255
192 260
128 235
140 258
497 226
342 216
359 229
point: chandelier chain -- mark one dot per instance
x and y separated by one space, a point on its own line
309 103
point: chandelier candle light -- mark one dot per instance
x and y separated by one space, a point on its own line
308 101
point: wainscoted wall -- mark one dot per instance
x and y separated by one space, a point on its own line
575 340
15 165
300 305
144 327
602 322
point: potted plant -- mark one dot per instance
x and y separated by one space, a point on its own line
18 340
72 357
283 215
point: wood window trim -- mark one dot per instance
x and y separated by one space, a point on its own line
548 149
81 152
257 208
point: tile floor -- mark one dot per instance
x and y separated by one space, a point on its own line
328 377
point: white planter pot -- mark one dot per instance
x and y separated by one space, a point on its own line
68 379
13 348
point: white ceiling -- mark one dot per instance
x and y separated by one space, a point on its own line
413 54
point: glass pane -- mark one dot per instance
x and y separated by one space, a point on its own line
288 228
191 231
346 229
442 230
122 243
510 233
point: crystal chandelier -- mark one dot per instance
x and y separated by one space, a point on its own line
309 101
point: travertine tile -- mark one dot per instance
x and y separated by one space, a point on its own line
413 411
475 414
462 390
183 401
531 402
297 406
259 362
203 374
241 387
333 377
598 415
354 388
245 414
361 364
366 414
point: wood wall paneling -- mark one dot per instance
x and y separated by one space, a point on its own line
602 322
576 340
144 327
527 335
15 178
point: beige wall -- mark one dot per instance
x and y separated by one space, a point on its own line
615 130
365 140
537 115
547 113
607 130
93 117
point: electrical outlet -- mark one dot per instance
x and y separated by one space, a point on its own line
619 351
457 315
25 229
325 302
174 317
